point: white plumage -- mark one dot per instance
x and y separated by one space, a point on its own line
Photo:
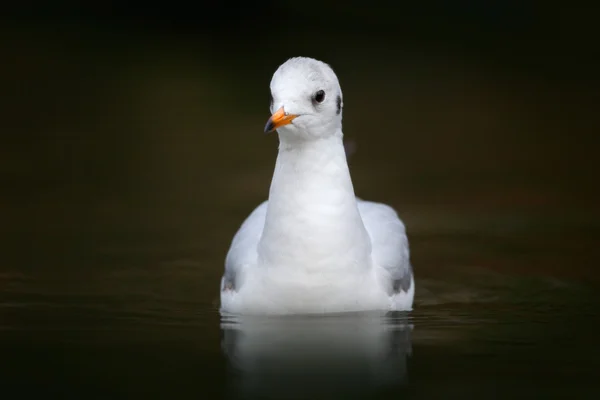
314 247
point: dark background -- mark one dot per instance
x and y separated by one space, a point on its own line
131 149
119 116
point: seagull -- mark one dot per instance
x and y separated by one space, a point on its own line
314 247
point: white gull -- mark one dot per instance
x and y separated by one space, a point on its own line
314 247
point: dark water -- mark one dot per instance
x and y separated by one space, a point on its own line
126 171
141 322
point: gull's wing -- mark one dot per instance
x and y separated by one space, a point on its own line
389 243
243 250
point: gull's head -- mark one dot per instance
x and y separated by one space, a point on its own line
306 100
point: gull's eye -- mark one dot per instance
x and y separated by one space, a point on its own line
271 99
320 96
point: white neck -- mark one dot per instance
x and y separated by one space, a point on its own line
312 218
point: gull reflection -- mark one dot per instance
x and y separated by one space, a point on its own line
316 357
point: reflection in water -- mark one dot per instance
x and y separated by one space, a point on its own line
316 357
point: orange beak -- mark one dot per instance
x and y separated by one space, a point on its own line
279 119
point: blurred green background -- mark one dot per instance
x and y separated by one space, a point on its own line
128 119
132 148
